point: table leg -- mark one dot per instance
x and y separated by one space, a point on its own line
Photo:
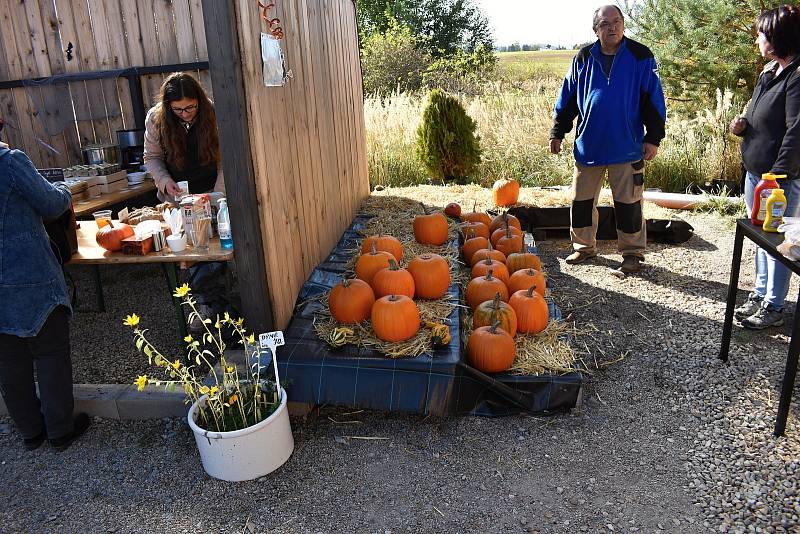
171 271
788 377
733 287
98 288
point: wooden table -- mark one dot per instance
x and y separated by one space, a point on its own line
90 253
85 208
769 243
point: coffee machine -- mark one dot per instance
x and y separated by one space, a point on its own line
131 146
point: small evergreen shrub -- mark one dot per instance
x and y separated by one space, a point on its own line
446 140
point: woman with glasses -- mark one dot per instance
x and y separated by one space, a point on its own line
181 141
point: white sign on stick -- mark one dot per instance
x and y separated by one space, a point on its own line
272 340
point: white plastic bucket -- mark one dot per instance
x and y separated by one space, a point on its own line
248 453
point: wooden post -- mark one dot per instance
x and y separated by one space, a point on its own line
230 102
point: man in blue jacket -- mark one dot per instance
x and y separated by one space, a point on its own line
614 90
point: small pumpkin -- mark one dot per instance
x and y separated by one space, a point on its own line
503 220
395 318
431 274
500 232
484 288
477 228
351 301
531 309
430 228
523 260
525 278
369 264
491 349
490 311
384 242
110 237
477 216
509 243
471 246
452 210
484 266
489 251
393 280
505 192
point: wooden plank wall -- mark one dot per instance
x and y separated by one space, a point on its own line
307 138
105 34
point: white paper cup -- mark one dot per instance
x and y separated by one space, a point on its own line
176 243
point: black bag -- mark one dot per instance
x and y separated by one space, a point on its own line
670 231
62 234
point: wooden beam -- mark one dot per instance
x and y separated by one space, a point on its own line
225 62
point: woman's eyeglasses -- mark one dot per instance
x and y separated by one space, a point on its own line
181 111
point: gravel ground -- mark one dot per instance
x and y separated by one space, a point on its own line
668 439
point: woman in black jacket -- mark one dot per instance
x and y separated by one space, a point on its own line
771 132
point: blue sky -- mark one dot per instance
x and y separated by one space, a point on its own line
559 22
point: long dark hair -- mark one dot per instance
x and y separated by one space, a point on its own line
178 86
781 27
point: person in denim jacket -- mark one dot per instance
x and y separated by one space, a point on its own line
34 307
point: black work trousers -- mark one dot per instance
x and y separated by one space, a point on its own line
49 351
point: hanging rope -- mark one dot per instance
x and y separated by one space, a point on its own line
274 28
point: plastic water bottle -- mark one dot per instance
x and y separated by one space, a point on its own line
224 225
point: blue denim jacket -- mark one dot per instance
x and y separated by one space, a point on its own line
31 280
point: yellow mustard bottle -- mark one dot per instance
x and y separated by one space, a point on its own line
776 206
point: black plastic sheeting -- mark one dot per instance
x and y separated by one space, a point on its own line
440 383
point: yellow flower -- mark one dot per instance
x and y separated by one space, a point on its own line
214 390
251 339
176 364
239 321
188 339
233 399
226 317
230 369
182 291
204 390
140 382
131 320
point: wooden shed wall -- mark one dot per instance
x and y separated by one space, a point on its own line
105 34
307 138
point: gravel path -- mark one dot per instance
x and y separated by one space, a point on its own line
668 439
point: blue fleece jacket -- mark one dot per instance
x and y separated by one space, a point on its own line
613 111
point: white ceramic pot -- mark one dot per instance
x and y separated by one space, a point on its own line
248 453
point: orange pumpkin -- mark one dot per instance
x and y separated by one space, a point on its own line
471 246
477 216
393 281
503 220
500 232
395 318
477 228
525 278
110 237
493 310
351 301
385 243
498 269
430 228
485 288
509 243
523 260
488 251
431 274
531 309
491 349
369 264
505 192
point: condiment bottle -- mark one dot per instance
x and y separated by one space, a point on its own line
760 195
776 206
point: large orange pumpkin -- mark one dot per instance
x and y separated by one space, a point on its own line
503 220
477 228
393 281
477 216
525 278
488 251
369 264
485 288
430 228
500 232
351 301
110 237
431 274
395 318
490 311
484 266
471 246
531 309
491 349
385 243
505 192
509 243
523 260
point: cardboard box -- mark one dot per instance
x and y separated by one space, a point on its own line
135 246
119 185
112 178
